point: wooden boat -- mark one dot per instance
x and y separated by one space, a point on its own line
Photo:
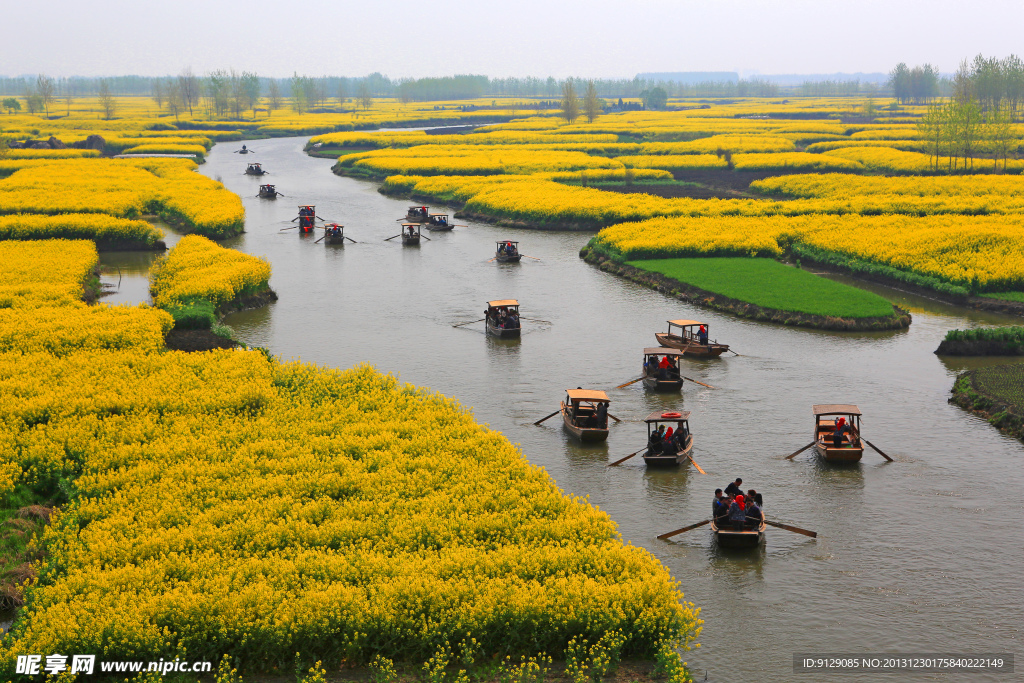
419 214
307 219
244 150
689 340
438 222
679 421
511 327
507 252
583 415
254 168
268 192
746 539
654 378
334 234
826 416
410 234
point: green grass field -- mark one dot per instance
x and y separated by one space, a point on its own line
1005 296
1001 383
770 284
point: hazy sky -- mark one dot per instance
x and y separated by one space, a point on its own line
610 38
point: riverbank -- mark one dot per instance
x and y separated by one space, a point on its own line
995 393
692 294
1000 341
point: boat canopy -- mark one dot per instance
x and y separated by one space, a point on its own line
587 395
502 302
439 215
663 351
506 242
835 409
410 225
685 323
659 417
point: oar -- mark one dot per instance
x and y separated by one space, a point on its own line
490 259
731 351
549 416
426 238
322 238
700 383
393 237
685 528
614 418
294 227
794 529
475 321
623 386
793 455
537 321
876 448
627 457
533 257
351 240
696 465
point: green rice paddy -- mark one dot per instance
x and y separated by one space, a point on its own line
770 284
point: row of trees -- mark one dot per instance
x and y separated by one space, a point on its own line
590 105
960 129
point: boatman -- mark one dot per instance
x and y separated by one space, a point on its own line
734 489
702 335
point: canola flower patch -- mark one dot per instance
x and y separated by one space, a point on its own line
232 506
45 273
197 268
470 161
99 227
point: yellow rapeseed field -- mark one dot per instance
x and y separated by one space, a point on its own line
199 269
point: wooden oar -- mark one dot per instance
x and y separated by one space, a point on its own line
490 259
731 351
626 458
696 465
614 418
535 320
793 455
351 240
623 386
319 240
470 322
549 416
533 257
425 237
876 448
794 529
393 237
700 383
294 227
685 528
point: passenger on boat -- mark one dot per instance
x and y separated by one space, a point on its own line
681 436
512 322
753 513
673 366
754 496
602 415
663 367
734 489
654 443
702 335
737 514
716 502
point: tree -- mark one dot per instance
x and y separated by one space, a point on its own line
300 103
33 102
654 99
107 100
570 102
158 93
251 90
999 136
365 98
217 87
188 84
66 92
274 100
341 92
931 128
47 91
591 104
11 104
175 100
899 81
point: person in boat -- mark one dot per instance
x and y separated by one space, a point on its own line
512 251
837 435
702 335
722 512
735 488
673 366
753 513
654 443
513 321
716 502
669 444
601 415
681 437
663 367
755 497
737 513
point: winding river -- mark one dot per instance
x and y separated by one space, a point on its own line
920 555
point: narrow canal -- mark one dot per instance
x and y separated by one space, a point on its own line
916 556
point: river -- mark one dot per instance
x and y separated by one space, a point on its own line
914 556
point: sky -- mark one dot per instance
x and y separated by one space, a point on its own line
416 38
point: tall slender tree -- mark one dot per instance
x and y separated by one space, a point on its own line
591 102
570 101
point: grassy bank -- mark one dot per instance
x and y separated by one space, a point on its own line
983 341
995 393
765 287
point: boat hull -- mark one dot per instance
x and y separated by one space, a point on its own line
411 241
331 239
504 332
663 385
670 460
747 539
833 454
438 228
507 259
690 349
268 195
584 434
